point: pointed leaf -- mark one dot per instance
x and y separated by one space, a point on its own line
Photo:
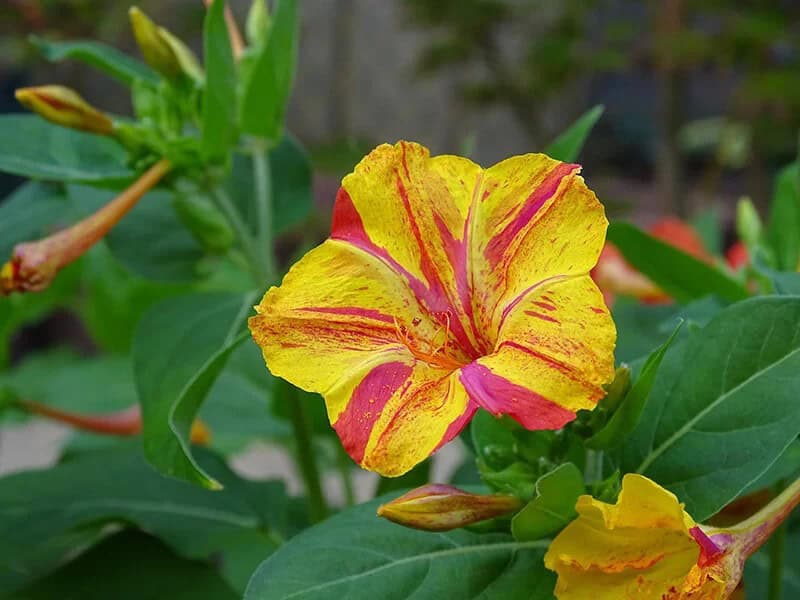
567 146
553 507
219 97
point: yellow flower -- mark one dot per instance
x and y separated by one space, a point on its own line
646 546
64 107
445 287
162 50
33 265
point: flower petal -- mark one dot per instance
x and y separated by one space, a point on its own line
553 354
535 221
411 211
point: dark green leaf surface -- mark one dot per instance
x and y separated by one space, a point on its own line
553 507
130 566
680 275
567 146
107 59
783 231
357 556
724 405
45 516
627 415
180 348
45 151
219 97
267 89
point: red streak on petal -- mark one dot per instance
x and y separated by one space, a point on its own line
367 313
500 396
532 313
545 305
498 245
368 400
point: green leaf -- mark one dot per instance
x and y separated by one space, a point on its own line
626 417
680 275
554 505
723 406
42 150
786 468
150 241
219 97
267 89
107 59
179 349
133 566
567 146
360 557
783 231
46 515
493 441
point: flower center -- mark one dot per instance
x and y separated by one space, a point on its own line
441 351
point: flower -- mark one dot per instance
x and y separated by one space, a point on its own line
33 265
616 277
647 546
437 507
64 107
443 288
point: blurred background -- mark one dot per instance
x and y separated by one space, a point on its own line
702 97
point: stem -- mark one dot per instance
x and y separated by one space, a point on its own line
246 240
263 190
777 552
317 506
343 463
594 466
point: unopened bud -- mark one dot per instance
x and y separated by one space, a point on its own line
64 107
161 50
33 265
748 223
258 23
437 507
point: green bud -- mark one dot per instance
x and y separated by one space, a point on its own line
748 223
258 23
161 50
204 221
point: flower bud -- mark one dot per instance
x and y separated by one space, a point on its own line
437 507
161 50
64 107
33 265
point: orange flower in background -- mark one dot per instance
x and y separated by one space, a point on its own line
616 277
737 256
647 546
445 287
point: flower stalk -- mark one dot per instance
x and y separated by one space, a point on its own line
33 265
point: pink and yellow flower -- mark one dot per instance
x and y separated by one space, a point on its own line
647 546
445 287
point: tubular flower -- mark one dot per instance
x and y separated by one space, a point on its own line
64 107
445 287
437 507
616 277
33 265
647 546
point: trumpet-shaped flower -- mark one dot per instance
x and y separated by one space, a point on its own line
647 546
443 288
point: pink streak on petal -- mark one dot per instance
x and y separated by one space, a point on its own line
353 311
709 551
368 400
500 396
458 425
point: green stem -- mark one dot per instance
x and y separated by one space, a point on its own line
594 466
343 463
318 508
262 176
246 240
777 553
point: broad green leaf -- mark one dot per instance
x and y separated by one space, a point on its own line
132 566
179 349
107 59
783 231
291 186
42 150
627 415
639 327
76 500
219 96
786 284
567 146
786 468
360 557
150 241
724 405
554 505
266 91
708 225
680 275
493 441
